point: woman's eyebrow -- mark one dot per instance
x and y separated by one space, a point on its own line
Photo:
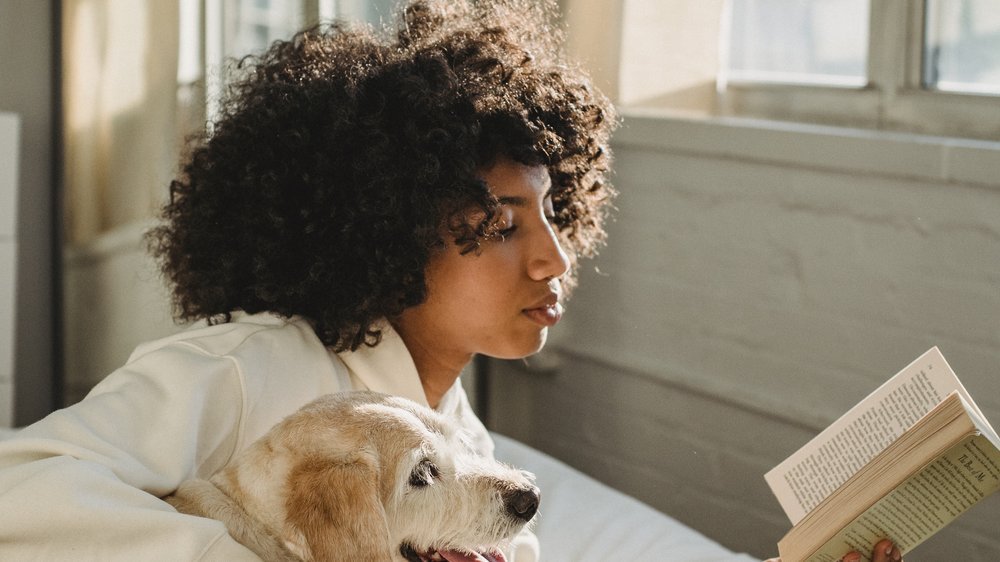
513 200
518 201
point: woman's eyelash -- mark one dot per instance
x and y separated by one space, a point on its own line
506 232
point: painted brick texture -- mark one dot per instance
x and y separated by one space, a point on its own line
749 297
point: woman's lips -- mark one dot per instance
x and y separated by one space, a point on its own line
545 315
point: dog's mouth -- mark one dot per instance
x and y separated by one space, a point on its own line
433 555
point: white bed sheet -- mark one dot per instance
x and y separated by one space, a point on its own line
583 520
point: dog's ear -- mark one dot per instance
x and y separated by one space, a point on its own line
336 508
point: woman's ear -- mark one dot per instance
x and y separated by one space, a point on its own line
334 504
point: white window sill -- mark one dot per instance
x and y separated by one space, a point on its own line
915 157
124 239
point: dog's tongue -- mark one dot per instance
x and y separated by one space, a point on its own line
455 556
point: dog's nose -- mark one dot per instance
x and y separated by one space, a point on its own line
522 503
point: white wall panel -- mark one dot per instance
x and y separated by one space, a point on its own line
9 158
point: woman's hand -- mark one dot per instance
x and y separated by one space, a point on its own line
884 551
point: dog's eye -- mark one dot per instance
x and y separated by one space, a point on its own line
424 474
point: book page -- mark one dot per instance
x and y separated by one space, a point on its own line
922 504
809 475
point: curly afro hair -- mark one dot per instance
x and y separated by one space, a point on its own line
343 158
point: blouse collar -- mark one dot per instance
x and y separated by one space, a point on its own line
387 367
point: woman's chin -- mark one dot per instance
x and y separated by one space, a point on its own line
521 347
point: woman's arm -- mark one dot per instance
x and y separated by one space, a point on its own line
84 483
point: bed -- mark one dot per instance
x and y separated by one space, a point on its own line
583 520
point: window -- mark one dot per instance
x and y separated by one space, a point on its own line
919 66
803 41
213 32
249 26
962 46
235 28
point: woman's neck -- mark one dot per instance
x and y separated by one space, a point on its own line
437 368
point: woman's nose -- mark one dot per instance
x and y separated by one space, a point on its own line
548 259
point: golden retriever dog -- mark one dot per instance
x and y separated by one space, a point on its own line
365 476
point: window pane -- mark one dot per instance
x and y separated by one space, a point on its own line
189 42
252 25
375 12
798 41
236 28
962 49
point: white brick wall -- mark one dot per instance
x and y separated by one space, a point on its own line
759 281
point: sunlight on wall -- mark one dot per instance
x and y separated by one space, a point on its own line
120 96
648 52
669 53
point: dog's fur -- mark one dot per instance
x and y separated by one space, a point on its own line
364 476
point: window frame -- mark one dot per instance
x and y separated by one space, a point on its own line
211 34
893 99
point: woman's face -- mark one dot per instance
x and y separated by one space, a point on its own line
501 300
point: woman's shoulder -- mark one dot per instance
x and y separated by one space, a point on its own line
244 333
272 357
275 364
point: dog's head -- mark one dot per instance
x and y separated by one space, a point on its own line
367 476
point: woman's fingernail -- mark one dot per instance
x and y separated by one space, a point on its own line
888 549
897 555
852 557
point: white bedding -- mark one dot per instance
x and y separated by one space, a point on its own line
583 520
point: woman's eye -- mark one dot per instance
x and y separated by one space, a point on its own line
504 226
505 233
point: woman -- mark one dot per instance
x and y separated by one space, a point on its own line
366 213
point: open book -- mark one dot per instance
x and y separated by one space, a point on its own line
901 464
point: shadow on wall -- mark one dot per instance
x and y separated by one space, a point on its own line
113 284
